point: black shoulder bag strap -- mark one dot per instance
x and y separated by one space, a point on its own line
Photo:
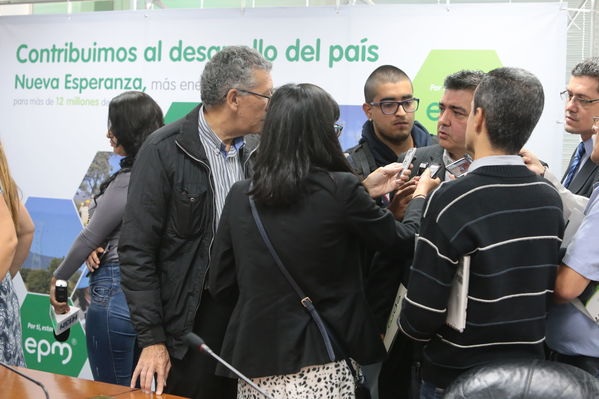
304 299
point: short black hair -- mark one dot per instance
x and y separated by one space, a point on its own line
466 79
383 74
298 137
512 100
588 67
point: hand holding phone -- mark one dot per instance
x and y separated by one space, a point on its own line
434 168
428 182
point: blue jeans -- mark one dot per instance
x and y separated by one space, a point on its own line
111 337
430 391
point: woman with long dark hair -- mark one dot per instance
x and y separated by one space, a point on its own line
111 337
317 216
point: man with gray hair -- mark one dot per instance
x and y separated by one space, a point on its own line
506 223
181 177
582 103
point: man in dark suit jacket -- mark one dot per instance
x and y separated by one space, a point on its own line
384 281
582 103
454 108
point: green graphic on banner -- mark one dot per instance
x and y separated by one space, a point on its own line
178 111
428 83
42 351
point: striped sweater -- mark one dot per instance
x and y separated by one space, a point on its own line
510 222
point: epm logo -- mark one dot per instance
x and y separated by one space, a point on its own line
42 351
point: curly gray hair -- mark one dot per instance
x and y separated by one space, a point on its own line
232 67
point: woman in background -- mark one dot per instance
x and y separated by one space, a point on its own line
16 234
318 216
110 335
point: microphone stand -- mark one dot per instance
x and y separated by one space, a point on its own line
198 343
27 377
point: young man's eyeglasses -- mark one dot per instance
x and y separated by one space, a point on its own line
338 129
391 107
567 96
254 93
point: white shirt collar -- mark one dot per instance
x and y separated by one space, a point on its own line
496 160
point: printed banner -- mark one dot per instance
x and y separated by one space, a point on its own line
59 73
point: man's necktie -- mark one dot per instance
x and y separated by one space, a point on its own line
574 165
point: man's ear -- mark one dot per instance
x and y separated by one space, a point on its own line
479 119
232 99
367 108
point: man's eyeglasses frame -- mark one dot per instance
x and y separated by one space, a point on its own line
566 96
403 103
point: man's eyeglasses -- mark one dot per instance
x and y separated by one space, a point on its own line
391 107
567 96
338 129
254 93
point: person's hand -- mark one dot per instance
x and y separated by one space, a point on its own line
154 359
532 162
426 184
59 307
93 260
385 179
402 198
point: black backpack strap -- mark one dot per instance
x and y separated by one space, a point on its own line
361 160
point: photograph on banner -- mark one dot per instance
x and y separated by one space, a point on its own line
103 165
57 224
352 118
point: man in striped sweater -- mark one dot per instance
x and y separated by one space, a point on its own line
508 220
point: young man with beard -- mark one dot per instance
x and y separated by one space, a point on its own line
389 105
390 130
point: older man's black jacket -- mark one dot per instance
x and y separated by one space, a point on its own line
167 232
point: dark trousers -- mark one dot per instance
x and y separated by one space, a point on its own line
399 378
193 376
588 364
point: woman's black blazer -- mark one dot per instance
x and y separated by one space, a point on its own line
319 239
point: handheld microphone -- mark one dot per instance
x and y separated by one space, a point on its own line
198 344
61 296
